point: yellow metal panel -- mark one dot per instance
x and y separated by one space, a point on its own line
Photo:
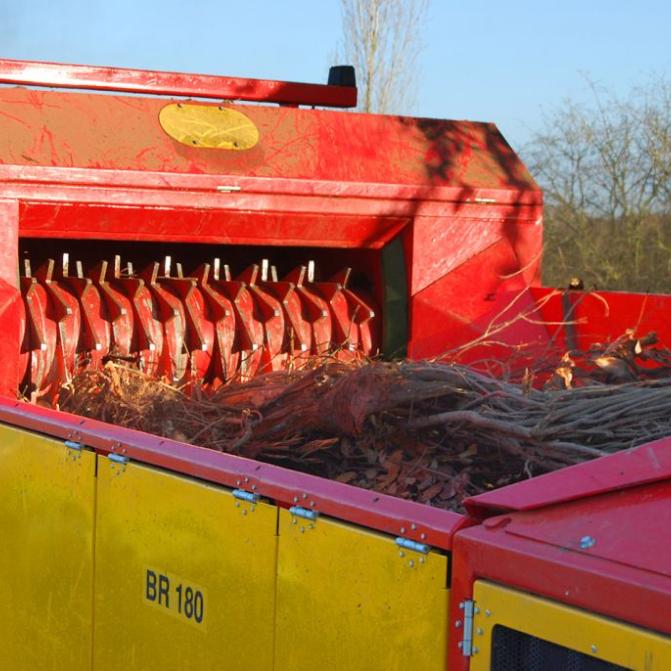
214 127
47 501
185 574
351 600
600 637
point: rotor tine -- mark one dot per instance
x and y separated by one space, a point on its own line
216 267
180 272
117 266
79 269
273 274
66 264
27 269
167 265
311 271
227 272
265 264
129 268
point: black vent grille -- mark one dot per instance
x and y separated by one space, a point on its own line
514 651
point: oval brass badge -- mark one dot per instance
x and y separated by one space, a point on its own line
209 126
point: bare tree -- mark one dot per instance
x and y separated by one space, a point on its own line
381 38
606 173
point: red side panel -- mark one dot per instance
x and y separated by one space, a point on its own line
12 316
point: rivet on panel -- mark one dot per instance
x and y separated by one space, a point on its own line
401 554
293 520
488 613
402 530
295 499
479 631
411 563
457 624
413 526
422 560
594 648
302 530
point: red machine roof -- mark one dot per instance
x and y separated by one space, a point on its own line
52 128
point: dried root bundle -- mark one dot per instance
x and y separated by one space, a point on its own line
431 432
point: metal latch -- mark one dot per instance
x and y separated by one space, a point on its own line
466 643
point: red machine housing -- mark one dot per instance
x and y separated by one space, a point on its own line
411 210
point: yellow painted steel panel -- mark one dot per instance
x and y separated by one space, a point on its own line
47 510
350 600
594 635
185 574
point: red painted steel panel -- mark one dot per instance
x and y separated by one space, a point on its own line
641 465
52 128
93 77
13 358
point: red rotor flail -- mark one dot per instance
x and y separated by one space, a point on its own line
204 329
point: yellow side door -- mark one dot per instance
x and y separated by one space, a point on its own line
185 574
349 599
47 504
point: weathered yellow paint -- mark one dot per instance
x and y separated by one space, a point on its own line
209 126
600 637
348 601
193 533
47 509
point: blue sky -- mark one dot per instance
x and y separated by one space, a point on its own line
482 60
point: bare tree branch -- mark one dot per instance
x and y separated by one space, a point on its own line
381 38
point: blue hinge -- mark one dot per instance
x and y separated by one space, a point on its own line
466 644
72 445
245 496
304 513
117 458
412 545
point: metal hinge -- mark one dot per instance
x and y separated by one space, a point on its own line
406 543
243 495
466 643
72 445
305 513
117 458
